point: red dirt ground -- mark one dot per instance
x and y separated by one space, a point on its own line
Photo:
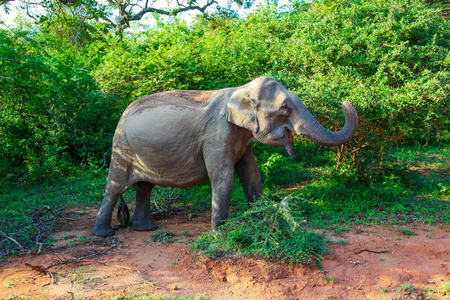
96 268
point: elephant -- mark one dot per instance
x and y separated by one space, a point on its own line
182 138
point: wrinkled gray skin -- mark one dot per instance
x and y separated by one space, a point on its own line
184 138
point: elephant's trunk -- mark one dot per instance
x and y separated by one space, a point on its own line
311 128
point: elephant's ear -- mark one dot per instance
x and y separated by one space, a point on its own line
241 111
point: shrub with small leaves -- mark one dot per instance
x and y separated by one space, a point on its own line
270 228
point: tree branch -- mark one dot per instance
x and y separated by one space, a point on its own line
126 10
29 14
11 239
174 12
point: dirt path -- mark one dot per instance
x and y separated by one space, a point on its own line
408 267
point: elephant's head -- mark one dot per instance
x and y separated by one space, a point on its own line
271 112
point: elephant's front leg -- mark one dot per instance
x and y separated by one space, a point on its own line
221 177
142 219
249 175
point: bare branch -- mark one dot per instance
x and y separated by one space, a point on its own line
173 12
155 201
126 10
29 14
104 159
11 239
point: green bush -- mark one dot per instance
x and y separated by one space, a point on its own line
52 115
270 228
388 57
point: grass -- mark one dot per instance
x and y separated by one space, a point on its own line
400 195
330 279
186 233
407 232
161 236
444 290
29 212
382 289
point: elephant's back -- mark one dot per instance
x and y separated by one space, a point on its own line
167 119
178 98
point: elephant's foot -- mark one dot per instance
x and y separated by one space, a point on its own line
146 225
103 230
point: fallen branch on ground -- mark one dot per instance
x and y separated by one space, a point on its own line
11 239
45 270
373 251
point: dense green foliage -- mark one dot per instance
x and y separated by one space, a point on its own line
61 98
53 116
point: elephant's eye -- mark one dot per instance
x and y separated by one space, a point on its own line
284 107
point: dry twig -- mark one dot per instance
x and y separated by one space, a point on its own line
45 270
373 251
11 239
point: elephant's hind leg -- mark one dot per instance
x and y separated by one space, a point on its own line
142 220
